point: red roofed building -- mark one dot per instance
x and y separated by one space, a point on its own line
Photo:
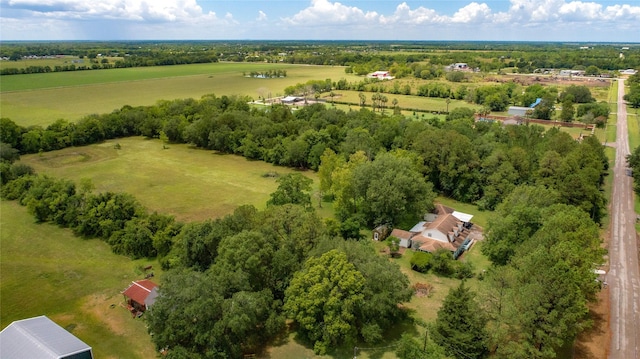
140 295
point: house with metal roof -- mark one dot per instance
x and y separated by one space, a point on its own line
140 295
41 338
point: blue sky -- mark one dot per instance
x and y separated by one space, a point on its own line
507 20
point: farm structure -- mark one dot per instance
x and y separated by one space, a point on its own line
140 295
40 337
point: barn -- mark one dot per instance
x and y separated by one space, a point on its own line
140 295
41 338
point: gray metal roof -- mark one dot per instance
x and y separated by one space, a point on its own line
40 337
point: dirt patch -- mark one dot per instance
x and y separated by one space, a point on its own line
594 343
102 308
422 289
527 80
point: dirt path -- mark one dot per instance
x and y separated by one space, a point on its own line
623 277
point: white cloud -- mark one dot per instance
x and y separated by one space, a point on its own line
404 15
472 13
323 13
261 16
134 10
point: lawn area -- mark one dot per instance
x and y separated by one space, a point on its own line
404 101
48 271
40 99
191 184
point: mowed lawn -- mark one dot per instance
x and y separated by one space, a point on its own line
46 270
40 99
191 184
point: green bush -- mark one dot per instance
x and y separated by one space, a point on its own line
421 261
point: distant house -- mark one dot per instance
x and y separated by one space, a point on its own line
41 338
628 72
140 295
444 229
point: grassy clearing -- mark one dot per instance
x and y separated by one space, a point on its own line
46 270
40 99
191 184
53 62
404 101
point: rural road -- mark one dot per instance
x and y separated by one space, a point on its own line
623 277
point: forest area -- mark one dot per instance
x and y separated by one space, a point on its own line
233 285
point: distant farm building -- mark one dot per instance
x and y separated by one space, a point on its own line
381 75
290 100
628 72
571 73
523 111
41 338
140 295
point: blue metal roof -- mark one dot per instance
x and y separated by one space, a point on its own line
538 100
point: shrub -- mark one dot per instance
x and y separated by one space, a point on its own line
421 261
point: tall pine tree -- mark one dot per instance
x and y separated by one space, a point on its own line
459 327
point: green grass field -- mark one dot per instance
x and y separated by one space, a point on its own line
40 99
192 184
46 270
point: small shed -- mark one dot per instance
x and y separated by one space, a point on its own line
41 338
381 232
140 295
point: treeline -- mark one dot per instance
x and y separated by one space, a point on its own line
471 162
633 96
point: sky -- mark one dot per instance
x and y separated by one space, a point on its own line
506 20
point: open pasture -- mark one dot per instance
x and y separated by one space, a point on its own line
51 62
191 184
46 270
40 99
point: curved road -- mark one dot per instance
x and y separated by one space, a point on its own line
623 277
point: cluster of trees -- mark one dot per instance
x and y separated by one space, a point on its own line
275 73
117 218
633 95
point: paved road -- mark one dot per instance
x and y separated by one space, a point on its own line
623 277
